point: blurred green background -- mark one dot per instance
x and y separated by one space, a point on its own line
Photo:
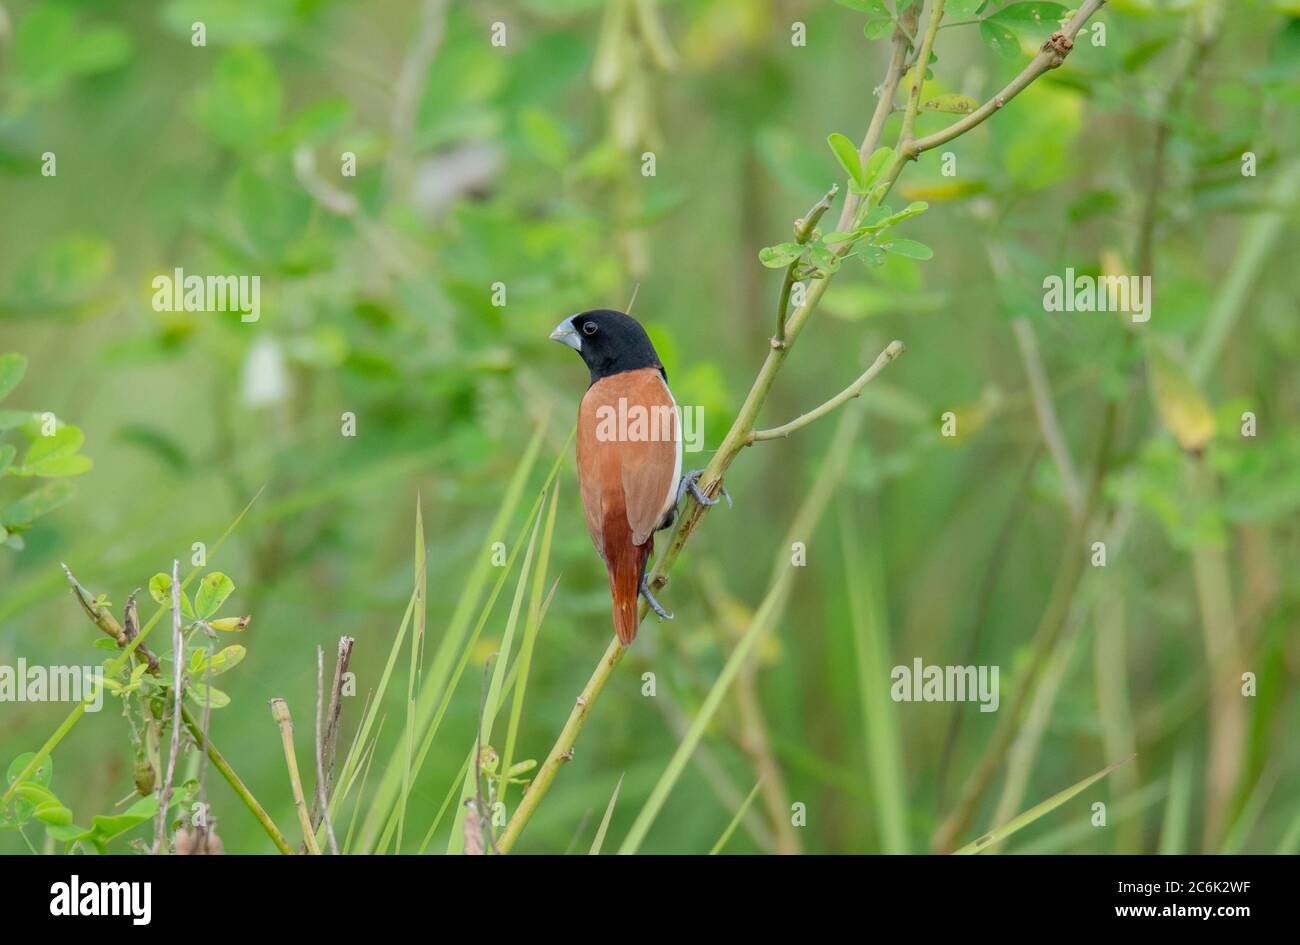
522 165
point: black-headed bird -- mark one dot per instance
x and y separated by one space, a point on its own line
629 453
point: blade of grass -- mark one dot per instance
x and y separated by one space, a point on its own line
530 638
998 834
457 841
368 756
417 650
735 820
604 821
1173 829
1124 810
879 712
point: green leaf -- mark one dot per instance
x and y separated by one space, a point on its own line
1031 13
43 774
953 104
839 236
847 155
67 833
160 589
1000 39
998 834
53 813
37 503
7 454
209 695
871 255
62 443
892 219
879 159
779 256
12 368
105 828
875 29
225 659
824 259
909 248
212 593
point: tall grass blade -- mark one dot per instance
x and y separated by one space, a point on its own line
736 819
599 842
998 834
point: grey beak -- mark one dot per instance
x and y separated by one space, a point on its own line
566 334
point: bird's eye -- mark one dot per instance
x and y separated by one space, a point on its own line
589 328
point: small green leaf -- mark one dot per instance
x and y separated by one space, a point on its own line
879 159
53 813
909 248
227 658
105 828
7 454
212 593
64 441
1000 39
847 155
839 236
871 255
209 695
876 28
160 589
779 256
67 833
12 368
824 259
43 774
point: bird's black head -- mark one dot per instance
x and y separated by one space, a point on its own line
610 342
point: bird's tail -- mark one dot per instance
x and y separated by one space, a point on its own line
625 587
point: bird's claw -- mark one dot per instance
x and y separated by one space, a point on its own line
654 604
691 483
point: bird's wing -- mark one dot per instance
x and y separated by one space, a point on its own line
651 462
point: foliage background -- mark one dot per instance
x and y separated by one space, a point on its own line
479 164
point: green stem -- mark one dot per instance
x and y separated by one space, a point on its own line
219 762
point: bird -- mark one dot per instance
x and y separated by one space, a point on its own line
629 448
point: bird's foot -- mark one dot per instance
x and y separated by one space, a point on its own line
691 483
650 599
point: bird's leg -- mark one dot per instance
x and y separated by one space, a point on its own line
650 599
691 483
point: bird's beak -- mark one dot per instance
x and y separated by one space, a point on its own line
565 334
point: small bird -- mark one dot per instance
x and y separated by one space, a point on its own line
629 453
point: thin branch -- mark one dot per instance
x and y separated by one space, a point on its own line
1050 56
803 229
321 800
280 712
891 352
918 71
332 716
